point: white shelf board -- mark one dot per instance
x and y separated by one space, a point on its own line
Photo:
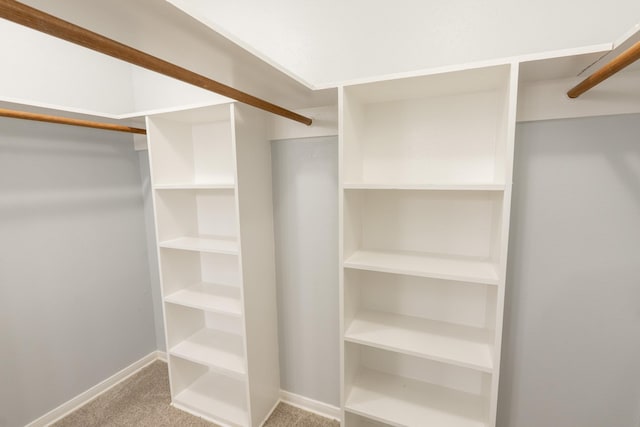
443 342
216 396
192 186
221 351
431 187
202 244
209 297
425 265
401 401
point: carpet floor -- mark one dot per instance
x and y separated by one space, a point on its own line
144 400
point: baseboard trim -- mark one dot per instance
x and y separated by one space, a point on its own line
310 405
305 403
95 391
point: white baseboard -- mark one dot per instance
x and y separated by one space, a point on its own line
95 391
310 405
305 403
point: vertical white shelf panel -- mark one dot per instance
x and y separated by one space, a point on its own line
425 172
255 202
211 177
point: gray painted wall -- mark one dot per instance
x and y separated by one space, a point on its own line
152 252
75 295
305 187
571 354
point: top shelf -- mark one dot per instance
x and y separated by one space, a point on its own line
427 187
194 116
433 132
193 150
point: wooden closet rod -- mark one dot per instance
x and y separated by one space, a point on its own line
33 18
67 121
621 61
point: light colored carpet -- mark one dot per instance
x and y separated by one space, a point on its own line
144 400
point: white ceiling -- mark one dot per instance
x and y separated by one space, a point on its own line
326 42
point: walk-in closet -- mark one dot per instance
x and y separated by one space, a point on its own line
347 214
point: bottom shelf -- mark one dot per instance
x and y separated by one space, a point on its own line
353 420
215 397
400 401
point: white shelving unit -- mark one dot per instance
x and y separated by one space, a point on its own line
211 174
426 165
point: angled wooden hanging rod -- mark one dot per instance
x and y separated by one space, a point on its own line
621 61
33 18
68 121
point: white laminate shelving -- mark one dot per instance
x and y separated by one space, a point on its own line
440 341
214 397
437 129
212 297
402 401
403 390
202 244
355 420
219 398
426 165
189 186
222 351
452 186
192 148
424 265
211 171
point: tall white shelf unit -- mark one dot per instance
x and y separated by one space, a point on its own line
426 166
211 177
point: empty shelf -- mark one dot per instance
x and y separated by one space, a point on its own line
443 342
405 402
425 265
221 399
216 246
219 350
191 186
434 187
209 297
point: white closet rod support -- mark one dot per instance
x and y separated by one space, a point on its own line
35 19
68 121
